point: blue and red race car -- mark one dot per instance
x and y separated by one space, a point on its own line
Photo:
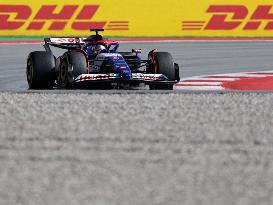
95 62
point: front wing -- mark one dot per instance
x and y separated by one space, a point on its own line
112 77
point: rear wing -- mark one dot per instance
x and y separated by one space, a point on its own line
70 42
64 43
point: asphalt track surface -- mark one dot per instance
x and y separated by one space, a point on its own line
139 147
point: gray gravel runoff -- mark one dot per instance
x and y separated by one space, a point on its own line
139 148
136 149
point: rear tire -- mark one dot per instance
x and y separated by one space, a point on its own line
163 64
40 70
72 65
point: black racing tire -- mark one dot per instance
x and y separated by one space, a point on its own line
73 64
40 70
164 64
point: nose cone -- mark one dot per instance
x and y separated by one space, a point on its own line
122 68
126 74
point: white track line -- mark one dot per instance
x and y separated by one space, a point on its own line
200 83
199 88
215 82
242 75
210 79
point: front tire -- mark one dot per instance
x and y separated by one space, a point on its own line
72 65
163 63
40 70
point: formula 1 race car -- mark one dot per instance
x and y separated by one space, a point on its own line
95 62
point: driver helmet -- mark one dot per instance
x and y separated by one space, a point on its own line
99 49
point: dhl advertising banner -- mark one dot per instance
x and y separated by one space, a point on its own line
153 18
